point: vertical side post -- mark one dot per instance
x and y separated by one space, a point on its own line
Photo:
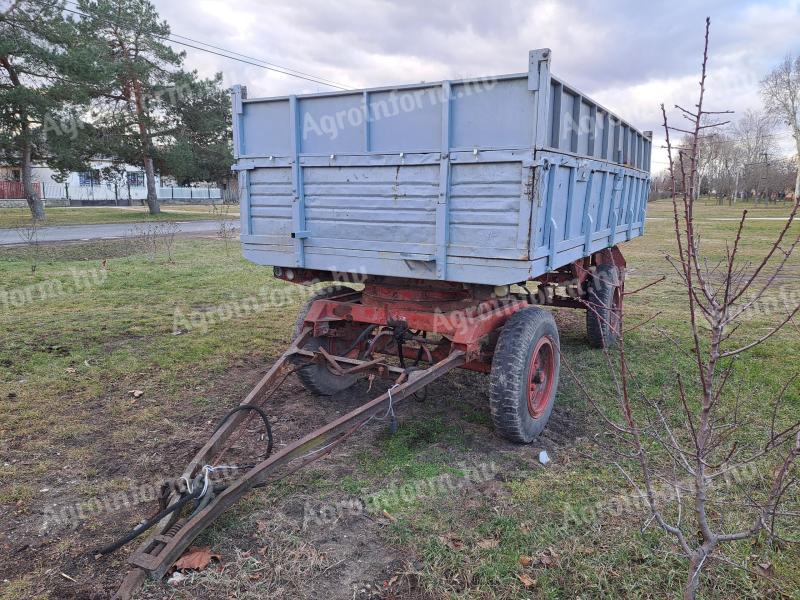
244 202
643 208
634 192
365 100
573 178
588 221
298 196
551 169
238 93
443 201
602 204
539 82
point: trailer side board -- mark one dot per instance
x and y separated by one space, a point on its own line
492 180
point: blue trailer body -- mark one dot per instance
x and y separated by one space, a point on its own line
492 181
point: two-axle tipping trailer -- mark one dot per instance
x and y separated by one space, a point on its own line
444 202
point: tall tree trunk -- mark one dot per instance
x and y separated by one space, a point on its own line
152 194
147 159
693 581
797 177
35 203
26 155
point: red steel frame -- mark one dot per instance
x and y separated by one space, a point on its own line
467 317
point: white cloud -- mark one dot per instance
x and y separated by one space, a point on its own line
628 55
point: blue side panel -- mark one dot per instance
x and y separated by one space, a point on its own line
583 206
511 127
267 127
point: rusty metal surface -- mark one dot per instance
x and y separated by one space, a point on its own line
159 552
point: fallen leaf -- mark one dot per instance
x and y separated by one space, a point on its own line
390 517
525 561
526 580
452 541
136 393
765 569
546 558
488 543
196 558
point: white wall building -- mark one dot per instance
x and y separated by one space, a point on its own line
100 184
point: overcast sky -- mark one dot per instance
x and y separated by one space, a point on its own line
627 55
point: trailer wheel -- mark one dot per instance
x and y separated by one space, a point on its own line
319 379
524 377
604 310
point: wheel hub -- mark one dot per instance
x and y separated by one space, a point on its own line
541 373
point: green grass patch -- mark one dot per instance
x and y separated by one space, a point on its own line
16 217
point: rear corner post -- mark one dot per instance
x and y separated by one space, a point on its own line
539 82
238 95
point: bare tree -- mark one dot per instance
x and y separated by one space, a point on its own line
28 232
703 478
780 91
755 142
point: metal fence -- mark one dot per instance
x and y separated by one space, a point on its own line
116 193
189 193
13 190
122 194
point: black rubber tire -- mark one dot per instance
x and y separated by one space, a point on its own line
508 395
318 379
602 323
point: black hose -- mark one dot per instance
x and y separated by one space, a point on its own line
139 530
360 339
261 413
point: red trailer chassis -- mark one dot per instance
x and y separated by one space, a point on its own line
353 334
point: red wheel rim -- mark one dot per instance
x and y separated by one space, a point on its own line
541 376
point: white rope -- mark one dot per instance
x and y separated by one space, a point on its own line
391 402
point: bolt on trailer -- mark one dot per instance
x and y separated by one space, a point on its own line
447 201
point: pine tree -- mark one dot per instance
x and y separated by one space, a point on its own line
142 65
196 146
48 74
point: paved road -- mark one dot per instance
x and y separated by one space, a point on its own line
73 233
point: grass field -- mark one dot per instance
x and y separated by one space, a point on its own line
78 340
12 217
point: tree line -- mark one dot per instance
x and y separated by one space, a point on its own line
87 78
743 158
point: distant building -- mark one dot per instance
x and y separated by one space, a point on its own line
102 185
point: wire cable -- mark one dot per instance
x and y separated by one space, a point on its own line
263 64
